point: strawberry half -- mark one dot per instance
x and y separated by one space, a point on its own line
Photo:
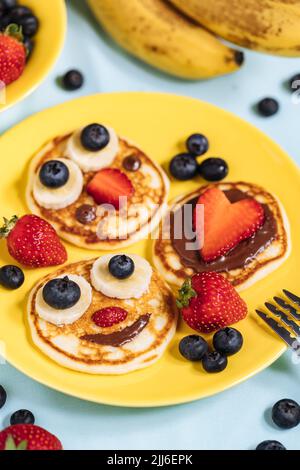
28 437
226 224
108 185
33 242
209 302
12 54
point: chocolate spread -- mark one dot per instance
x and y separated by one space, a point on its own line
120 337
239 256
86 214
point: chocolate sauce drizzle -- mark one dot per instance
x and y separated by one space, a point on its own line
121 337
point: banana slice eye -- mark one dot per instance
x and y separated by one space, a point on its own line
58 315
91 160
132 287
59 192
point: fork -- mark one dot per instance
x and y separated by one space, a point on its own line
285 318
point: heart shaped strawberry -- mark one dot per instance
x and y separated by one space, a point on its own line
225 224
209 302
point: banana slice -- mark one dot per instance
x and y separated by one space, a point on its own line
92 161
131 288
58 198
69 315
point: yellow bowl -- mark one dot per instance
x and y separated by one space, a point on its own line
49 42
159 124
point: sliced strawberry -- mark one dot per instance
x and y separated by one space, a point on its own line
209 302
108 185
226 224
109 316
28 437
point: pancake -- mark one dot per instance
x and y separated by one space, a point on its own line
120 229
71 346
250 261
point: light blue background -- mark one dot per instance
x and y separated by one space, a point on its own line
238 418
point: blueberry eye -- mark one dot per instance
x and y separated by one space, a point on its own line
95 137
54 174
61 293
121 266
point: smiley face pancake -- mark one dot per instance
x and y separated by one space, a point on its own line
111 315
99 191
246 235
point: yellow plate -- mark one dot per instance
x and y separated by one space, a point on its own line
160 124
48 45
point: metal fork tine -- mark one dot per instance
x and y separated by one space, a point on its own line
292 310
284 334
286 320
294 298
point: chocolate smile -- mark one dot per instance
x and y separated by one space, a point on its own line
120 337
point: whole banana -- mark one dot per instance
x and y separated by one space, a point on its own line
271 26
154 31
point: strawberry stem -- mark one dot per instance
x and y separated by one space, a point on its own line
14 31
8 226
185 294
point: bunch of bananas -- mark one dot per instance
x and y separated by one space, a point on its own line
179 36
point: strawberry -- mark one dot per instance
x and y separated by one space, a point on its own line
12 54
226 224
109 316
28 437
108 185
209 302
33 242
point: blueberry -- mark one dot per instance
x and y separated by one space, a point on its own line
95 137
29 45
54 174
61 293
183 167
8 4
3 397
29 24
18 12
4 22
11 277
268 107
193 347
228 341
213 169
72 80
270 445
121 266
22 417
197 144
295 82
214 362
286 413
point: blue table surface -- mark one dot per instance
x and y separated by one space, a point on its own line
240 417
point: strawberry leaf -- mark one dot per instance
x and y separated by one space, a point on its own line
185 294
15 31
8 226
11 445
22 445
